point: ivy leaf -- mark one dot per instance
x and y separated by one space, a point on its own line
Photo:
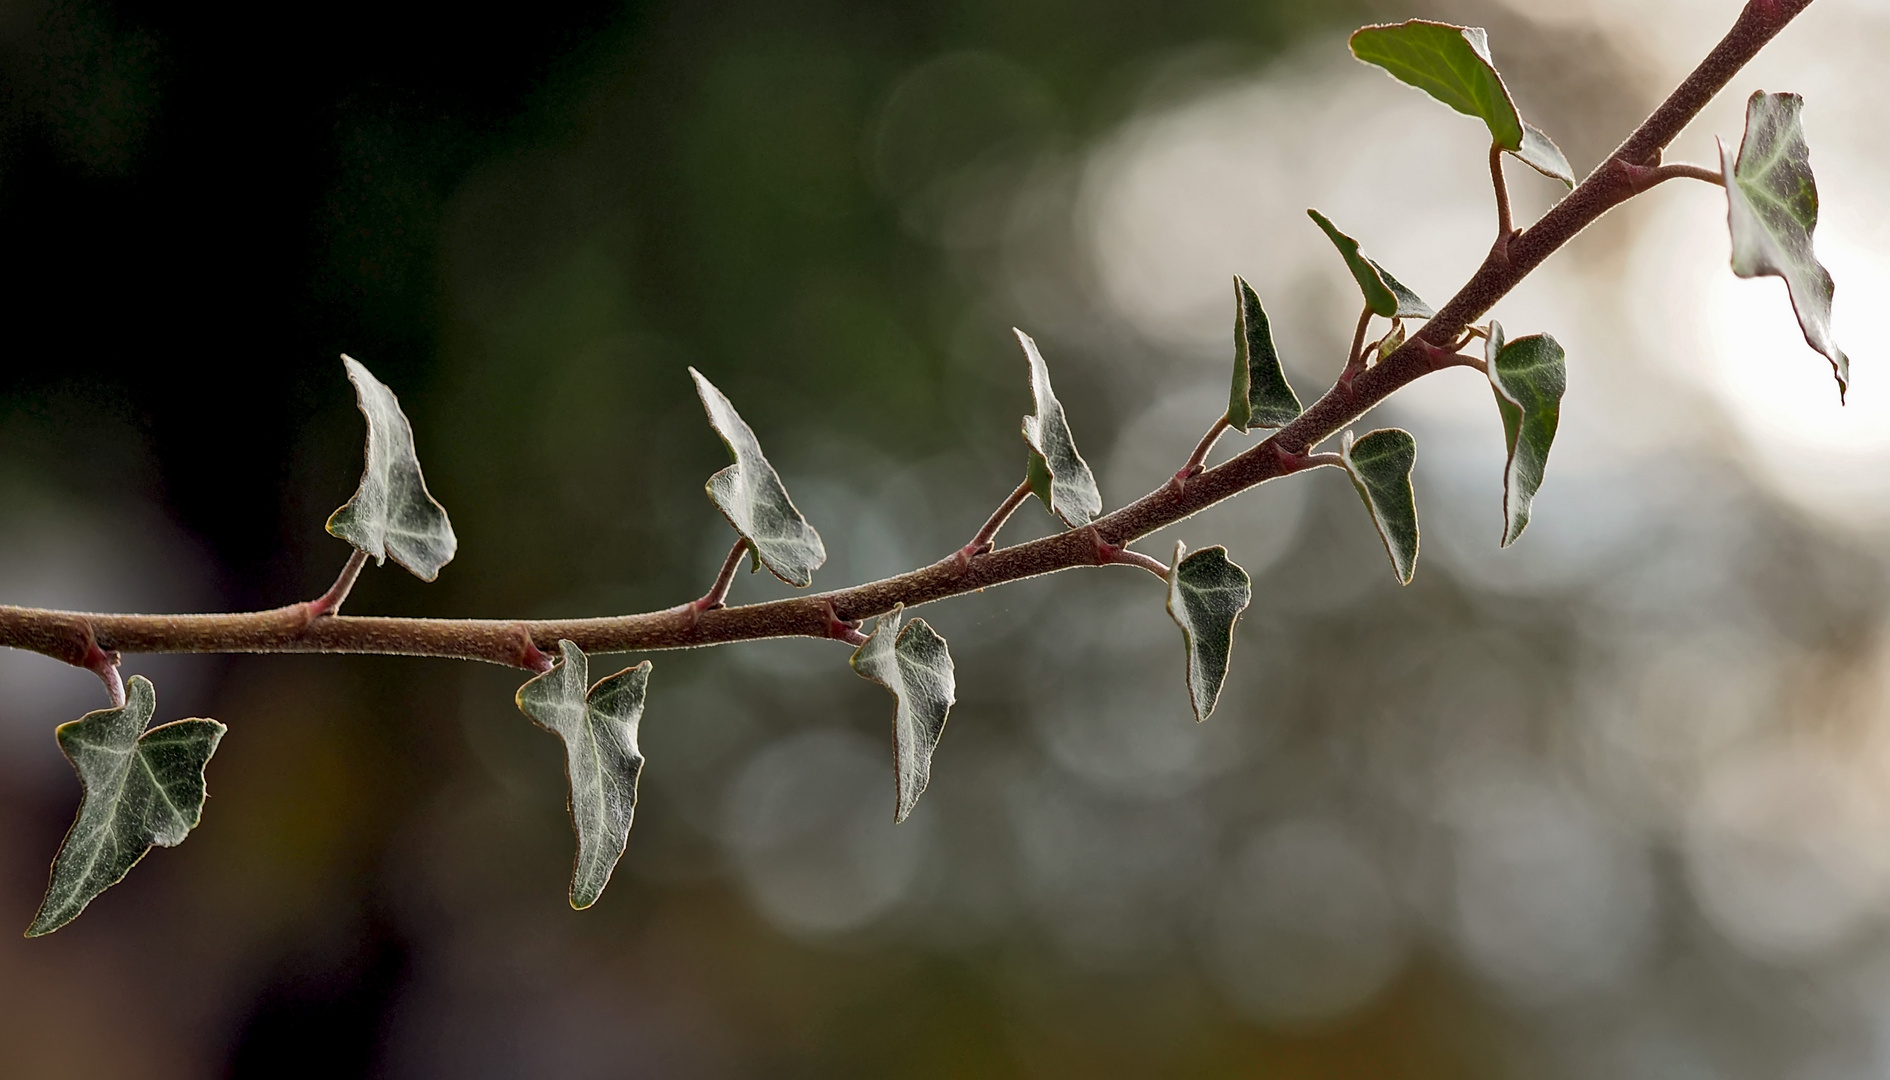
914 664
1540 153
1207 591
1261 396
750 494
141 788
391 514
1057 473
1528 376
1384 294
1772 208
1452 64
599 729
1380 465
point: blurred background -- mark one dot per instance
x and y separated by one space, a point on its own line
1612 803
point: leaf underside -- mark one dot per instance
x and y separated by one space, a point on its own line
1261 396
142 788
602 762
1528 377
1207 591
750 494
1380 466
391 514
1772 210
912 662
1384 294
1057 473
1452 64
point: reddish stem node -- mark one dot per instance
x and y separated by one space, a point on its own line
329 603
529 656
718 592
105 666
987 533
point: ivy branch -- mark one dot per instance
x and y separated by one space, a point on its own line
1772 211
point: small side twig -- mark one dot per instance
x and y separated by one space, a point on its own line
1505 225
1198 459
982 542
105 666
1642 177
329 603
1355 360
718 592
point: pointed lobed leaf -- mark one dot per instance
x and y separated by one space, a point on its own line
602 762
1528 376
1453 65
391 514
1207 591
750 494
141 788
1384 294
1450 63
1380 465
1772 209
1057 473
1261 396
913 662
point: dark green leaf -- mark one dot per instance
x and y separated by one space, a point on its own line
750 494
1384 294
1057 473
1772 210
914 664
141 788
1450 63
391 515
601 759
1528 376
1380 465
1261 395
1206 593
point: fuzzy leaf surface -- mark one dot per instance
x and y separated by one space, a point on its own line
602 762
1450 63
391 514
1540 153
1384 294
1772 209
1261 396
1380 466
1057 473
1528 376
913 662
750 494
1207 591
141 788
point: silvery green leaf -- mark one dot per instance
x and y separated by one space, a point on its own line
914 664
1450 63
1540 153
750 494
599 729
391 514
1057 473
1380 465
1207 591
141 788
1772 208
1384 294
1528 376
1261 396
